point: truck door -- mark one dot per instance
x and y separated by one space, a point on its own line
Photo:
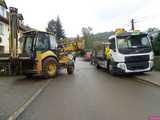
112 48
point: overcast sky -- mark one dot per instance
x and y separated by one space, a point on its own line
101 15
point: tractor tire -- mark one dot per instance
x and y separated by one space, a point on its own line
49 67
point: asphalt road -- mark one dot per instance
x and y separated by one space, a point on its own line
15 91
92 94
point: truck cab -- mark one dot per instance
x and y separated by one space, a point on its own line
129 52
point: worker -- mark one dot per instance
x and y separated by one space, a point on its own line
107 53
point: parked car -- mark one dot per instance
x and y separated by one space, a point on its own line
87 56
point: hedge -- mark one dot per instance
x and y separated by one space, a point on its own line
157 63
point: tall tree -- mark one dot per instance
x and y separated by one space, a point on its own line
87 36
52 27
55 27
59 30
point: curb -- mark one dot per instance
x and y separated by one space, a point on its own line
146 81
23 107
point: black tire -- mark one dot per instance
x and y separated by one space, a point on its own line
92 61
108 62
28 75
70 69
97 66
49 67
110 68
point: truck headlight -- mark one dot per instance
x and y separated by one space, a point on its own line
152 56
121 66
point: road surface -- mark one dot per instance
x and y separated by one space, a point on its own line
92 94
15 91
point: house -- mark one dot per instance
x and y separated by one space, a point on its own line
4 27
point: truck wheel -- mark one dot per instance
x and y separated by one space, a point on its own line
70 69
28 75
49 67
110 68
97 66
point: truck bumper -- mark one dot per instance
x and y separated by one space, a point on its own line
123 68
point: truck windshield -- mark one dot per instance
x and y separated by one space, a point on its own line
134 44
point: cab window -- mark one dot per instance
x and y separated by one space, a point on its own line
28 44
112 45
53 43
42 43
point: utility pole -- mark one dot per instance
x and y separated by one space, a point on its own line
132 24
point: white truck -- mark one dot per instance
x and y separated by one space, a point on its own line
126 52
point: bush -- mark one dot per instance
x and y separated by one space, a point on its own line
156 45
157 63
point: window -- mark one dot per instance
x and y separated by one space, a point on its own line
123 43
133 42
1 49
1 28
145 42
2 11
112 45
28 44
42 42
53 43
21 40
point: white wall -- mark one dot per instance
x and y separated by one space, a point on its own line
5 36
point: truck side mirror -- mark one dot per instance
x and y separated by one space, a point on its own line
111 46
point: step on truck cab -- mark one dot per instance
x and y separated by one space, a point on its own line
126 52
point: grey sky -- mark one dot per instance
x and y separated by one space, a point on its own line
101 15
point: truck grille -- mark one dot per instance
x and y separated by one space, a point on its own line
136 58
137 65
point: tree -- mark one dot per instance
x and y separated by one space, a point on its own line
152 30
59 30
156 45
52 27
87 36
56 28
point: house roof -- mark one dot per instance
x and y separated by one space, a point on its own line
3 3
6 21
